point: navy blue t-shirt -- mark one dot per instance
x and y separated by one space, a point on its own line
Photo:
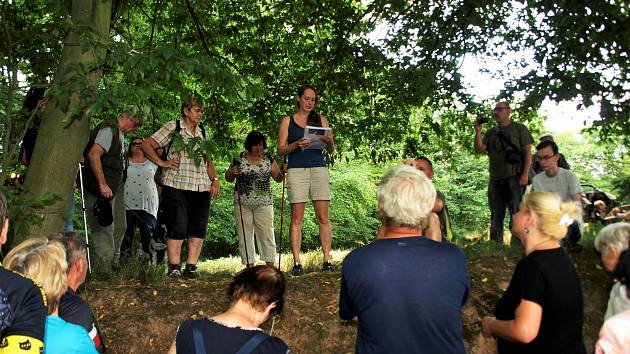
407 294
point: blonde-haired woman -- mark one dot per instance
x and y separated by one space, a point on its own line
541 311
45 262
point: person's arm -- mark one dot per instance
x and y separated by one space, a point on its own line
94 155
149 147
527 156
231 173
215 186
523 328
328 139
480 147
347 308
173 348
433 231
276 172
284 148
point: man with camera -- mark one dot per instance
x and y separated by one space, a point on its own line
508 145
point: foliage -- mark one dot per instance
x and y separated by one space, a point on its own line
22 210
581 51
603 164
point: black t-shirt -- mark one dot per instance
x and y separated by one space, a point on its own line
73 309
549 279
221 339
22 314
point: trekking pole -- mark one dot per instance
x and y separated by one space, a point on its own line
284 177
240 209
87 246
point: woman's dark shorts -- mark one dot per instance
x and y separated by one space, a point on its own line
185 213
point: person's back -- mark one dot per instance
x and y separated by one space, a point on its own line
73 309
219 338
66 338
22 314
407 294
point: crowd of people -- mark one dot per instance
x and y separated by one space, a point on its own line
405 290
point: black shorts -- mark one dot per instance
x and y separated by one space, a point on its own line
185 213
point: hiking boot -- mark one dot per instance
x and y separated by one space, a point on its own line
328 267
191 273
174 273
297 270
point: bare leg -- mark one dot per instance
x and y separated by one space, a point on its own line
174 249
295 229
194 249
325 233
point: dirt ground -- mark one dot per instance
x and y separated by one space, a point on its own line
142 318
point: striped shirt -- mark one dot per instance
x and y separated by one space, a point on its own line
187 176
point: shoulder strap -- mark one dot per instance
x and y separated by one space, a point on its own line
507 141
178 127
198 338
252 343
203 131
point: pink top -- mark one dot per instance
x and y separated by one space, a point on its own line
614 337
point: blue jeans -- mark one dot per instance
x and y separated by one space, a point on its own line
503 193
146 223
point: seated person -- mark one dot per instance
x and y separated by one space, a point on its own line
72 308
22 305
256 294
612 243
405 289
45 262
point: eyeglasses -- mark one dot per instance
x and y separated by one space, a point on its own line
500 108
546 158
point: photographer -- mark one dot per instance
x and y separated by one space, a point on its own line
508 145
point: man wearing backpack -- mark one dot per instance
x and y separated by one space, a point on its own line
508 145
103 181
187 189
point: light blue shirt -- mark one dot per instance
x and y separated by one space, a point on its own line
61 337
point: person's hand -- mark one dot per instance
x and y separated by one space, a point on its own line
486 325
215 189
302 143
106 192
327 138
523 180
284 168
477 126
170 164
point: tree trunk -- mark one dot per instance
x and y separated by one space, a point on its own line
61 137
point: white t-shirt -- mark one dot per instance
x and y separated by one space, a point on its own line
104 139
140 189
566 184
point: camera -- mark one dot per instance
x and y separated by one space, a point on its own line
482 120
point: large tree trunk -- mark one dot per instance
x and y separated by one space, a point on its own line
60 144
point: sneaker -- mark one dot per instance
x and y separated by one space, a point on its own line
328 267
174 273
297 270
191 273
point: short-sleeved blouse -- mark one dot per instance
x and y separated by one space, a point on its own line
140 189
254 182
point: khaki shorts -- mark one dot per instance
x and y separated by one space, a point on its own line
308 183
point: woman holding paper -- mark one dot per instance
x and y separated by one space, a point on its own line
307 176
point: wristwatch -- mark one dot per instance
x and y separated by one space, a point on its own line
215 179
